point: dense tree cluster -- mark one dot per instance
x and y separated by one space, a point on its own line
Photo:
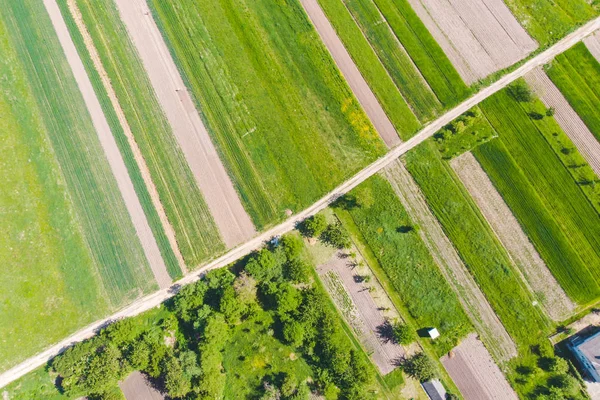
332 234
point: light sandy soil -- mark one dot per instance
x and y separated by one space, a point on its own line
155 299
357 83
362 313
479 37
592 42
137 387
475 373
137 154
456 273
506 227
110 148
215 184
570 122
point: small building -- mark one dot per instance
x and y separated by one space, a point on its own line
434 389
587 352
433 333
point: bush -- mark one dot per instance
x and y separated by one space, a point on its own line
335 235
313 226
404 334
420 367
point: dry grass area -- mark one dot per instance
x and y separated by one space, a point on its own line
592 42
137 387
470 295
506 227
475 373
480 37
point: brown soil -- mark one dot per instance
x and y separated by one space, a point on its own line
592 42
137 387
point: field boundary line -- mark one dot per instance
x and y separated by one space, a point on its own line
155 299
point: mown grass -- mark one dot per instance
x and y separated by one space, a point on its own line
286 124
373 71
549 20
386 227
477 245
70 252
556 188
577 74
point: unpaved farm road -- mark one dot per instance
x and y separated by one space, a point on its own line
160 296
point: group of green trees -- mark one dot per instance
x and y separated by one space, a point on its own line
332 234
183 352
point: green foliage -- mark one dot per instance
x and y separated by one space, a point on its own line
298 270
404 334
520 91
463 134
421 367
336 236
263 266
314 226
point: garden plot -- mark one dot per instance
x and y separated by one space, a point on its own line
592 42
507 228
479 36
475 373
568 119
470 295
137 387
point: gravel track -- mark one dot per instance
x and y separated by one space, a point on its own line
568 119
532 268
155 299
111 150
137 387
215 184
592 42
475 373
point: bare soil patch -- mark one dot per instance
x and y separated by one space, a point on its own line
592 42
479 37
474 372
456 273
137 387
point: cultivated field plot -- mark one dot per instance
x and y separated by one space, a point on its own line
592 42
475 373
479 36
137 387
70 253
284 144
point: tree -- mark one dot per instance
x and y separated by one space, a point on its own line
292 246
293 332
190 298
219 278
558 365
298 270
263 266
314 226
177 383
139 356
335 235
289 385
403 334
520 91
550 112
230 306
245 287
287 298
420 367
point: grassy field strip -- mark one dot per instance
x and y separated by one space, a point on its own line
145 172
193 138
592 42
353 76
568 119
257 242
534 271
481 314
111 149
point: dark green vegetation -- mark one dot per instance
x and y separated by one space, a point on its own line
285 144
577 74
196 233
383 222
463 134
549 20
70 253
541 192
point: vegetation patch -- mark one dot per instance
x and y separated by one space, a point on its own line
463 134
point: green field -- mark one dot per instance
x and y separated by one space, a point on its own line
70 253
414 275
549 20
197 236
535 164
286 124
577 74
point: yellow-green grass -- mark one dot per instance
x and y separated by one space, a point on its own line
196 233
69 251
285 122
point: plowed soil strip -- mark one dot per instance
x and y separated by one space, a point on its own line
221 197
471 297
592 42
110 147
475 373
357 83
533 269
137 154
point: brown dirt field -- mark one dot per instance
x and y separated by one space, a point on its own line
111 150
475 374
456 273
568 119
479 37
346 65
508 230
213 180
592 42
137 387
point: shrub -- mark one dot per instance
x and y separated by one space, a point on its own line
404 334
420 367
335 235
313 226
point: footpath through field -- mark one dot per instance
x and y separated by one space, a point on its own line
160 296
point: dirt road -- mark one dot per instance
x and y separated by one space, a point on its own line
194 140
346 65
157 298
111 150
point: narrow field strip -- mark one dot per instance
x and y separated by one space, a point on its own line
139 159
111 149
210 174
535 272
568 119
474 302
592 42
357 83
